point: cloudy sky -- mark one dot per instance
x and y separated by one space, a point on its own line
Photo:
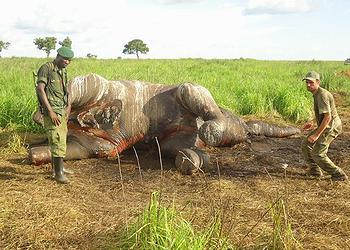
261 29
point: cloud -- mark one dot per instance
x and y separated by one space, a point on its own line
78 17
274 7
176 1
178 28
50 27
46 20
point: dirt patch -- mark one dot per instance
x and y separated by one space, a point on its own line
242 182
345 73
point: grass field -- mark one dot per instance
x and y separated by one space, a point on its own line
245 86
253 196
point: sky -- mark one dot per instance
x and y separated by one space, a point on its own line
212 29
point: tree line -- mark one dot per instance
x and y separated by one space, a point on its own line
47 44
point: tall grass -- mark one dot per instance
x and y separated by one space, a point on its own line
245 86
282 236
11 142
159 227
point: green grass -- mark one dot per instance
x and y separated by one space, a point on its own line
245 86
163 227
282 236
160 227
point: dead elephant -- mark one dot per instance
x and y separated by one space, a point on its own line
110 116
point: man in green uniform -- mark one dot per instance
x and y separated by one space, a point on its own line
51 88
315 145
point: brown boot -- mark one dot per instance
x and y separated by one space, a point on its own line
339 176
315 171
58 168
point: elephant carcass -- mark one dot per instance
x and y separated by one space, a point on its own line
110 116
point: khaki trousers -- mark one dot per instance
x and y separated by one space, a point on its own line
57 135
316 153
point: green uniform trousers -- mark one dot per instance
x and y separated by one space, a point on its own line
316 153
57 135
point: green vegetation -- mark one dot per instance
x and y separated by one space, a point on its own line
67 42
89 55
159 227
245 86
164 227
135 46
282 234
46 44
4 45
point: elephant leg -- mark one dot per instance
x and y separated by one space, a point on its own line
218 128
199 101
41 154
191 160
184 147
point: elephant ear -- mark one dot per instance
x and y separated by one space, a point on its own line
103 115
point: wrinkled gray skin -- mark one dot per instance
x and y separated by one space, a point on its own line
110 116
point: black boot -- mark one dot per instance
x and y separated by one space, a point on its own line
65 170
58 167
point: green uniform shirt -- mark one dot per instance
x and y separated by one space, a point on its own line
55 86
324 103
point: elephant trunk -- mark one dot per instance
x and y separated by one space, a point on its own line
262 128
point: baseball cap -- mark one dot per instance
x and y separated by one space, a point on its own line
312 75
66 52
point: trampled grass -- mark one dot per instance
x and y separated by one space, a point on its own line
245 86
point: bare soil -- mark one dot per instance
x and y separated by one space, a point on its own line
38 213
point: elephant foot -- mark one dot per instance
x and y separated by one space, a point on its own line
191 161
212 132
40 155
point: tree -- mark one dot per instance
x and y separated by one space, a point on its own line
46 44
89 55
135 46
66 42
4 45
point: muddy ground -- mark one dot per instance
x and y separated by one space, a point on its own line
37 213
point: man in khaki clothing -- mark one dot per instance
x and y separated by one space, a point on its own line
315 145
51 88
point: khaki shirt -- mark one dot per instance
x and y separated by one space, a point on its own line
55 86
324 103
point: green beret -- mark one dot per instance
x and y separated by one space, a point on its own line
66 52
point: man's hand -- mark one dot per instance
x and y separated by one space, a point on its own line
54 118
320 129
312 138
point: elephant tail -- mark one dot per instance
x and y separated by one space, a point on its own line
263 128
